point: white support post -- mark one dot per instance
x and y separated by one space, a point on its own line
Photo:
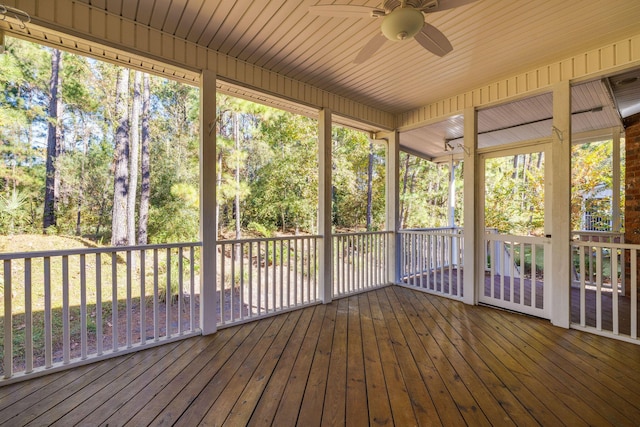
393 204
560 207
473 231
325 261
208 226
452 193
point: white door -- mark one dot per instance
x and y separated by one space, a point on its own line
515 186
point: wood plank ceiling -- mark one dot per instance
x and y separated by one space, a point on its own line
491 39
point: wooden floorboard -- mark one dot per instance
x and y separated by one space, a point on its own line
392 356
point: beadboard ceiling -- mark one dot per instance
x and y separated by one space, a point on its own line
491 39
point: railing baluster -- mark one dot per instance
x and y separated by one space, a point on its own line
614 288
222 286
192 290
274 274
634 293
583 284
169 294
114 302
259 302
28 313
250 314
599 289
99 324
47 314
128 304
241 314
232 282
156 296
180 290
8 321
143 298
534 277
83 307
66 329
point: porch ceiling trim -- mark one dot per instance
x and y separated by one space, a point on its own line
67 22
593 64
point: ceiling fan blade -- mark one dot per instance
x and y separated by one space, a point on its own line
370 48
344 10
439 5
433 40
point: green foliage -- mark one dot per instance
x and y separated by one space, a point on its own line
285 190
260 229
352 152
592 180
12 212
424 193
514 194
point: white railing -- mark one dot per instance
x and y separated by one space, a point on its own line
591 276
63 308
260 277
606 301
515 268
361 262
431 260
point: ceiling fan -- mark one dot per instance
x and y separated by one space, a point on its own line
401 20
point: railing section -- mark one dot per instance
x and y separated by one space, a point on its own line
514 273
431 260
604 296
361 262
65 307
260 277
591 275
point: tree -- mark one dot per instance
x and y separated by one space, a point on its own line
119 234
145 189
134 140
54 142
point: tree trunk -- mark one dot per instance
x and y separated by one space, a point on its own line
403 208
145 190
81 188
134 143
236 137
54 142
121 162
370 187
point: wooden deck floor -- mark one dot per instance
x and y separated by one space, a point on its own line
392 356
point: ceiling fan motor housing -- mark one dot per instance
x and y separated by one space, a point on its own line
402 23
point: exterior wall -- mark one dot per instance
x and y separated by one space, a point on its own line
632 180
632 188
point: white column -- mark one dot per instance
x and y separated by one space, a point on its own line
325 259
393 204
208 226
473 230
560 270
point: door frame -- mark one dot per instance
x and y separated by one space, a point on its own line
545 147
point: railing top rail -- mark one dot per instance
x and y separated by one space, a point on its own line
80 251
363 233
611 245
411 230
267 239
596 233
516 239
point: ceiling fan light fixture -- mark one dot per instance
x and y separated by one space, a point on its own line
403 23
